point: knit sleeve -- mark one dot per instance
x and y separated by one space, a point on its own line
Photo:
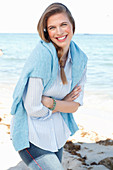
38 64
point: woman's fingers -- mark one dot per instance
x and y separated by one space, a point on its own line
75 97
75 93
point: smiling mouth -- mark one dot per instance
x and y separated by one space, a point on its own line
62 38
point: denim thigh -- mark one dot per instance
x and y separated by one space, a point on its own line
30 155
46 162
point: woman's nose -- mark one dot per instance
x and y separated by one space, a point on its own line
59 30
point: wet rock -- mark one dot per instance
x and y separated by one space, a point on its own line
105 142
107 162
71 146
93 163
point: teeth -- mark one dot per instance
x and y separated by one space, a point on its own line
62 38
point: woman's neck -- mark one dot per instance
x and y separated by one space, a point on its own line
65 55
64 58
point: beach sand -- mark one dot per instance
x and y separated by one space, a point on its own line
90 148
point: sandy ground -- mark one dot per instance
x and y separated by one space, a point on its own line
90 148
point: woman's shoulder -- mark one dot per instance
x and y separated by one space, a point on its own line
44 47
39 53
77 52
76 47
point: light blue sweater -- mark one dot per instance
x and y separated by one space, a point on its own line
43 63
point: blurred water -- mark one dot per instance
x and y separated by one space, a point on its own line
98 48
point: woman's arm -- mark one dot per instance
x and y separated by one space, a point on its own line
67 104
71 101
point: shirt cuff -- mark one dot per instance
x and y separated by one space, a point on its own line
79 99
48 115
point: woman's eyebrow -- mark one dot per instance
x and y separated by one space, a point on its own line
64 22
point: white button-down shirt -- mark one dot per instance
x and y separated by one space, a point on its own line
46 130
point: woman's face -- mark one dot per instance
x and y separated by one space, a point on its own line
60 30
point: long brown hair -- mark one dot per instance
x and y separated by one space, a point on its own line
52 9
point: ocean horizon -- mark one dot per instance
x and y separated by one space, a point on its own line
17 47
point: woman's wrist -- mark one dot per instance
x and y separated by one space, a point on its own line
52 107
47 101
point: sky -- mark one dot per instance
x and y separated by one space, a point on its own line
91 16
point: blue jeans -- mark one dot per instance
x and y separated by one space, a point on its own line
38 159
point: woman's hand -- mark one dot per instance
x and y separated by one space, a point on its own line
73 94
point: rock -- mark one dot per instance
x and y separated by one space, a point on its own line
107 162
93 163
72 149
105 142
71 146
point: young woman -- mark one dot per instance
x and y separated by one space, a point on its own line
49 90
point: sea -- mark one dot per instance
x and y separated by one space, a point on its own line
17 47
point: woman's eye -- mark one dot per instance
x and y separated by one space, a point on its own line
51 28
64 24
